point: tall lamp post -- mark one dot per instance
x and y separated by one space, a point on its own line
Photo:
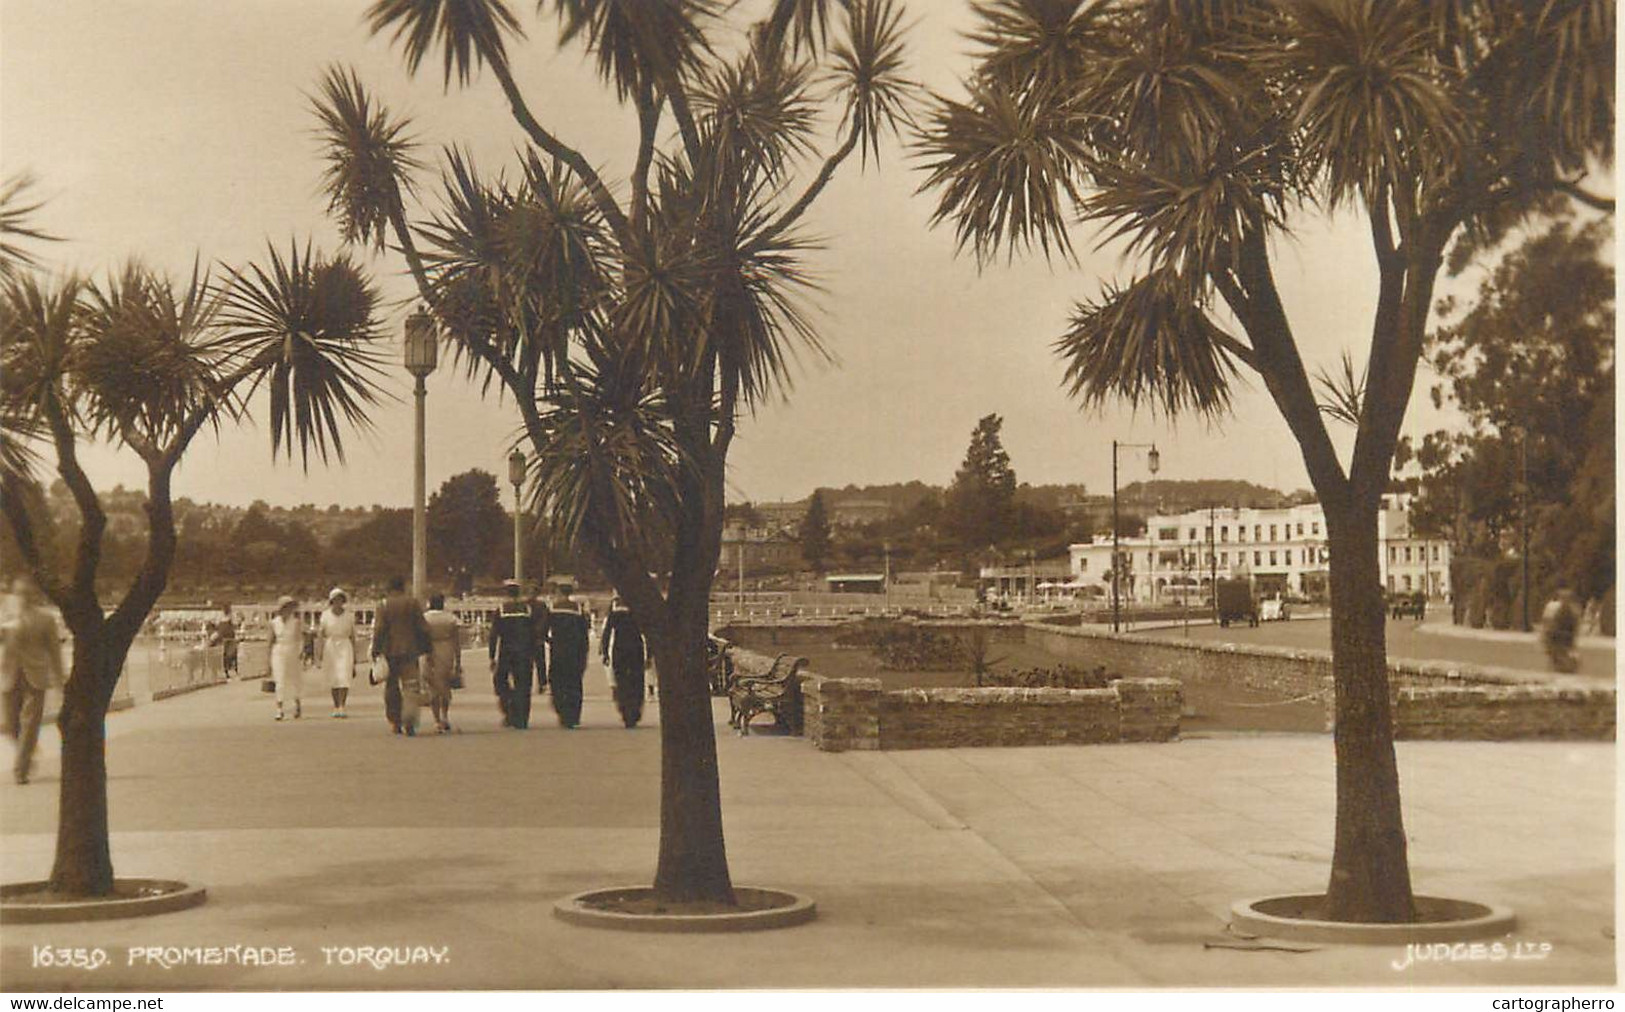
422 350
1153 461
516 478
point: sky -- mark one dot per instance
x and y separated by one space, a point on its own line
175 130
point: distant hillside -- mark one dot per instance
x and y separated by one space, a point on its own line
1178 496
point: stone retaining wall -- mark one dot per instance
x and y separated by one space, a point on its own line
855 714
1432 699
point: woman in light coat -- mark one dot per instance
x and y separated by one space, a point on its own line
335 648
445 663
287 640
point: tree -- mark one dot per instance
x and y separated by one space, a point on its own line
815 541
374 550
147 364
1199 135
1530 363
632 329
469 532
980 507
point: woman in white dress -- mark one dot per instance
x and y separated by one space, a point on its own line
287 639
335 648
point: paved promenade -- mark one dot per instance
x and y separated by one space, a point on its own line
1096 867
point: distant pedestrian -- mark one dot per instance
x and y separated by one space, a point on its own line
622 648
400 636
1559 627
30 664
226 634
307 650
567 634
287 642
515 641
540 616
445 667
335 648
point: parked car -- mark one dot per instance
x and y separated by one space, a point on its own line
1411 605
1274 609
1236 602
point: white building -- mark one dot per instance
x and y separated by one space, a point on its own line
1281 550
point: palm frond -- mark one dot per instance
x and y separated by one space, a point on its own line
605 451
1038 43
1375 105
152 356
369 158
639 44
755 114
1006 167
1344 395
39 344
16 223
1148 342
304 326
803 24
868 71
469 33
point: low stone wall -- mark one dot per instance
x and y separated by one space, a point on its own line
1432 699
1503 713
850 714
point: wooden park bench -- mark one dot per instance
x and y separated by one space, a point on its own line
778 690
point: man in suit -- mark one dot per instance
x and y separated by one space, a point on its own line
30 663
621 647
400 635
513 647
567 634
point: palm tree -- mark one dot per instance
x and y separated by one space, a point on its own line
633 331
146 364
1198 134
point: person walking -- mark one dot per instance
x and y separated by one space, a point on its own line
621 647
567 632
512 650
1559 626
287 642
335 648
225 631
539 618
400 636
445 666
30 664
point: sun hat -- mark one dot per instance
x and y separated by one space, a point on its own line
283 601
337 592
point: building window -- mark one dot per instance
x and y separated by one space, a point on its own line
1314 527
1272 557
1435 553
1224 533
1258 532
1193 534
1224 559
1258 558
1393 554
1300 528
1168 534
1407 557
1273 535
1407 581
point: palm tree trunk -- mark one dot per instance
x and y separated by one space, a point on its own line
84 859
1370 879
693 862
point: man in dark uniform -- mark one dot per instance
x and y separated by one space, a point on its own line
567 636
512 650
621 646
539 622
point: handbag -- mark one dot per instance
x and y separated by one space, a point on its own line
455 681
379 672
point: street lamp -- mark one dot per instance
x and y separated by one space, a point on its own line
1153 461
516 478
422 350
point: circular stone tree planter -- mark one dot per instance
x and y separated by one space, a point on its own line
634 908
34 903
1294 918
